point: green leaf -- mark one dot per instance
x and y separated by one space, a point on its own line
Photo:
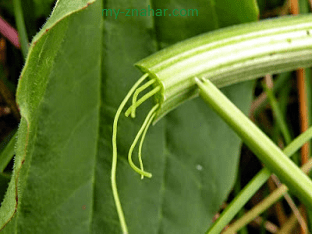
78 70
63 64
236 12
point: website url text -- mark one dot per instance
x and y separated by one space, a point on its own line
149 12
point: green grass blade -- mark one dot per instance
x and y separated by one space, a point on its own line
264 204
21 27
278 115
7 153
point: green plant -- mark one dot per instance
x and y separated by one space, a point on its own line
62 180
244 52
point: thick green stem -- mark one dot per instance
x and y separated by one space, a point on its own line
272 156
228 56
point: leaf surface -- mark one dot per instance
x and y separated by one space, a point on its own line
56 136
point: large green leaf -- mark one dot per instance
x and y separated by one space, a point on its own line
56 136
78 70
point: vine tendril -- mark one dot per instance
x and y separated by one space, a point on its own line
141 100
136 94
144 127
135 91
114 160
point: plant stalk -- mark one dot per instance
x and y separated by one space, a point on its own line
272 156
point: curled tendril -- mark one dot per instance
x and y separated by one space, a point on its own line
136 94
143 129
132 108
135 91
